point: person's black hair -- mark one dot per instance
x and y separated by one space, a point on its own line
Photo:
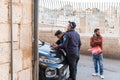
97 29
58 32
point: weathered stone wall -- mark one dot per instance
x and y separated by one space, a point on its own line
111 45
22 39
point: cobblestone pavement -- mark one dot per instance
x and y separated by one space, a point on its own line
85 69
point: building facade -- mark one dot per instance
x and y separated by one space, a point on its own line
88 16
22 40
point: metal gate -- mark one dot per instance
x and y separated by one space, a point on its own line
87 15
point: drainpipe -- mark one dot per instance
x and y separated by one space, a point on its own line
35 45
11 38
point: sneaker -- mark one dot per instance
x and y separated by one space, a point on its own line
95 74
102 76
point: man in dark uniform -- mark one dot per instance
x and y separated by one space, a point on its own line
71 44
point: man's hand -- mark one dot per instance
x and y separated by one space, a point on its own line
54 45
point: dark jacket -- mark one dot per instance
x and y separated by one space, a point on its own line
71 42
60 41
96 41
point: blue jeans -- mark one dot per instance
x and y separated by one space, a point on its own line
98 60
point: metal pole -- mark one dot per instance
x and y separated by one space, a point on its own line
11 34
36 56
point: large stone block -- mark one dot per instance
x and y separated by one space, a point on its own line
27 58
3 11
16 32
26 44
27 11
4 53
4 0
17 60
26 1
16 1
25 37
4 71
16 45
17 11
47 36
4 33
25 74
15 76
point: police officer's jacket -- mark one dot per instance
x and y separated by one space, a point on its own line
71 42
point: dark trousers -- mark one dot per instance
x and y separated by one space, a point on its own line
72 62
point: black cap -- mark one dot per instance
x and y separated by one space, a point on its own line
58 32
72 24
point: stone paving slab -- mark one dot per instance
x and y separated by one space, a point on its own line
85 69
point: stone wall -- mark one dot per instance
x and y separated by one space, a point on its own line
111 45
22 39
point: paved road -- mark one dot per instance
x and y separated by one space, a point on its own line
85 69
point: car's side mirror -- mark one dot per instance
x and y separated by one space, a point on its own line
41 43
